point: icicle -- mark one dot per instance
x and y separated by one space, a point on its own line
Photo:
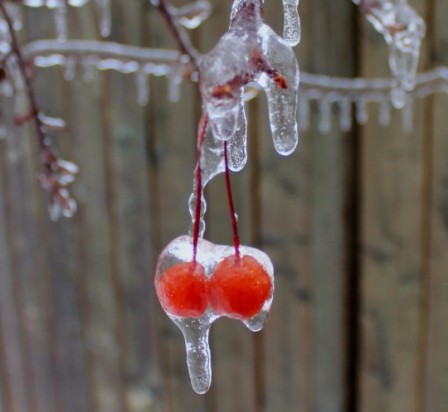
398 96
70 68
291 30
175 80
304 112
104 10
193 14
60 20
384 113
361 110
345 115
237 147
408 114
325 116
142 87
207 305
282 102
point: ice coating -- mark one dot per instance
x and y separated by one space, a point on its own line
54 3
282 101
105 16
193 14
251 51
403 29
142 84
196 330
60 21
212 162
237 145
291 29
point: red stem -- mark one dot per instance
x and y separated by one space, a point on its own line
197 212
236 237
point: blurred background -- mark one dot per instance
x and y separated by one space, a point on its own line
356 224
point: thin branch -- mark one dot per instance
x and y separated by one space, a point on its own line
183 41
233 218
34 108
57 172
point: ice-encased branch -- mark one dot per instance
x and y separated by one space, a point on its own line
57 173
325 90
403 30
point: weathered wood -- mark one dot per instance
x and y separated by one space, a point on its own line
99 305
80 327
14 384
391 260
134 262
306 235
435 377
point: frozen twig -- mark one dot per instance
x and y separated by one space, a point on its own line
57 173
173 24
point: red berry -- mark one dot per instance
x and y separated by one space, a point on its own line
239 287
182 290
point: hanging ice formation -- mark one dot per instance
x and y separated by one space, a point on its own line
250 51
403 29
195 294
196 281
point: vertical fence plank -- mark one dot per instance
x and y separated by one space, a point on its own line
392 208
436 377
59 240
14 383
305 359
98 292
80 327
173 126
135 263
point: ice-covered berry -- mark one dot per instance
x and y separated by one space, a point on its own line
239 287
182 290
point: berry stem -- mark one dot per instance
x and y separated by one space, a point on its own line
197 212
236 237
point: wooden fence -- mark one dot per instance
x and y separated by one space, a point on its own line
356 224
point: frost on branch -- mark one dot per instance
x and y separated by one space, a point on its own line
403 29
250 51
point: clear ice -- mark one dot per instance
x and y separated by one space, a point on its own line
250 51
193 14
60 21
403 29
104 11
196 330
291 30
212 162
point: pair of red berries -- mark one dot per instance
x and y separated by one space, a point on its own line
238 288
